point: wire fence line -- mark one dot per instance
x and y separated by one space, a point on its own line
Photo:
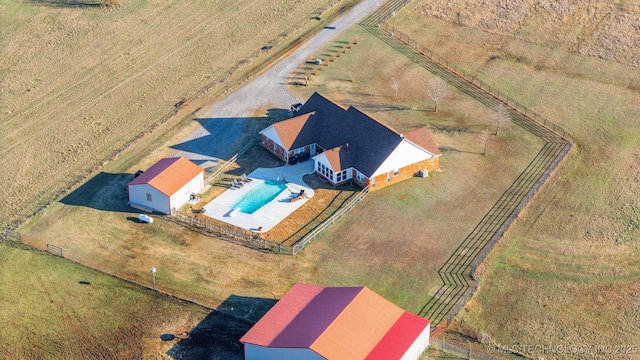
467 76
459 274
460 350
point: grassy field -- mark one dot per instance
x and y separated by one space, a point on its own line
568 272
598 28
80 82
394 241
53 309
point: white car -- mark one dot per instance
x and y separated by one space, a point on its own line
145 218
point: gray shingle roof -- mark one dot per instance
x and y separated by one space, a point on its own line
370 142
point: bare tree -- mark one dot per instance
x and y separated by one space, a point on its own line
395 85
484 139
500 116
437 92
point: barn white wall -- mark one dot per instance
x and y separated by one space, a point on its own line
256 352
418 346
159 201
181 196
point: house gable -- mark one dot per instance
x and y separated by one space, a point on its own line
349 138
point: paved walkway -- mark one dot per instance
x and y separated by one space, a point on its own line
222 122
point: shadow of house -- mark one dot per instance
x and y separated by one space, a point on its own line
215 140
218 335
105 191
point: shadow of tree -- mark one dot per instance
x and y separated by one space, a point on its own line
68 3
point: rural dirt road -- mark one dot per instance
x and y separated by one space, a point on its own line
222 122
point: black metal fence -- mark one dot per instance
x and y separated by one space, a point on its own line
467 76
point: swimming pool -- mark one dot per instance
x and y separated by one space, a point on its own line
258 197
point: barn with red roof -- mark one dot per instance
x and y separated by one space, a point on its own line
347 145
315 322
165 186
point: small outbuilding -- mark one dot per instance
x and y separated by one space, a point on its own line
315 322
166 186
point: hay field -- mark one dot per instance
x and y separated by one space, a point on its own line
604 29
79 82
568 271
394 241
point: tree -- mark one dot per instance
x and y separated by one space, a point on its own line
395 85
437 92
484 139
500 116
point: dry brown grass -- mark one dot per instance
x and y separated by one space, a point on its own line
598 28
567 272
81 83
393 241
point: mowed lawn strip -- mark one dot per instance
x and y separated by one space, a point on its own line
81 83
394 241
568 271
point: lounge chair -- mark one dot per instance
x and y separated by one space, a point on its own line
245 178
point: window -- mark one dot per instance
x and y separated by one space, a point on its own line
359 176
149 197
339 177
344 174
396 172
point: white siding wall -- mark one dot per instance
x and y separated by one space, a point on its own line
182 195
418 346
256 352
405 154
159 201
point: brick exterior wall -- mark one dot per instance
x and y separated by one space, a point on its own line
268 144
406 173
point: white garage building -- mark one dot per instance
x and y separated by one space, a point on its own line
166 186
315 323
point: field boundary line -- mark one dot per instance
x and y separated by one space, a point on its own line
459 275
136 280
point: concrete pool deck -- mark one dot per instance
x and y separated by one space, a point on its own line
274 211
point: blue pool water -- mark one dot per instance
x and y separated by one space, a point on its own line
258 197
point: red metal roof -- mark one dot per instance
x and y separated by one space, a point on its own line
336 323
300 317
168 175
399 338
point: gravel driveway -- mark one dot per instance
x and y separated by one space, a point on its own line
222 122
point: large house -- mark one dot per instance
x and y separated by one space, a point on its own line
166 186
347 145
315 322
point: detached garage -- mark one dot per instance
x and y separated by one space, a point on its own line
316 323
166 186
